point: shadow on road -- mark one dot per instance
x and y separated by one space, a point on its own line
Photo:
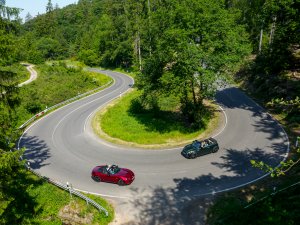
238 161
234 98
188 202
37 152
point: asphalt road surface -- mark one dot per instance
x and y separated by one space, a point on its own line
62 146
33 74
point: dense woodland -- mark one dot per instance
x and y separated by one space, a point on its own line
181 51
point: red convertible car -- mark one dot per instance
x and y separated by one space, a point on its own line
113 174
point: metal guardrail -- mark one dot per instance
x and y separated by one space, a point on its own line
38 115
62 186
69 188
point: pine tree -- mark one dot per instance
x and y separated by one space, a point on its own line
49 7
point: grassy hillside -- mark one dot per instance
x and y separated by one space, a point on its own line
56 83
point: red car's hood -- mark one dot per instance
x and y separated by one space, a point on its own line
126 173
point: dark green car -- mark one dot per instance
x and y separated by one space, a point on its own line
198 148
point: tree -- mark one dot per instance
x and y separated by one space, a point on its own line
10 166
48 47
281 170
7 30
49 7
253 18
197 43
8 81
28 17
10 190
8 102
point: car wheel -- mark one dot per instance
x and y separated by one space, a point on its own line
121 182
215 149
96 178
193 155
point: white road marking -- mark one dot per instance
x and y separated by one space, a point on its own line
63 118
103 195
221 131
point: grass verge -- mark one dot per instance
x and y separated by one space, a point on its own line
38 202
116 123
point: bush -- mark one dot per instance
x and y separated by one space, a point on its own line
89 57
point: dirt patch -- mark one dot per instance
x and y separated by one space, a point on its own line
71 214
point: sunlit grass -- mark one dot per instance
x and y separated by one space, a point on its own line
118 124
50 200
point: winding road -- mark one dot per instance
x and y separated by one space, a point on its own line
33 74
63 147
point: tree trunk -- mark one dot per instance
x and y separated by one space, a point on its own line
139 51
149 18
260 41
194 94
272 30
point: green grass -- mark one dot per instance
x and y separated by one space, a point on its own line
67 62
39 202
120 123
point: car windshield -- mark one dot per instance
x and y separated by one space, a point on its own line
114 169
196 144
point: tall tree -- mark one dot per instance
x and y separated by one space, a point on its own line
197 43
10 165
8 81
49 7
28 17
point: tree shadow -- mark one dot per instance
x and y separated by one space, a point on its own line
37 151
188 201
156 120
268 125
238 161
234 98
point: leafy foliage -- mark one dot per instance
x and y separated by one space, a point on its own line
277 171
197 44
274 209
12 190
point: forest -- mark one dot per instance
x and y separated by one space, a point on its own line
180 50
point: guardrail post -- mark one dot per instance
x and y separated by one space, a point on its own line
69 188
